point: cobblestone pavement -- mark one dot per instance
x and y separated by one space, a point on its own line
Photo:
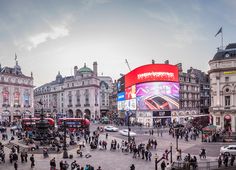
117 160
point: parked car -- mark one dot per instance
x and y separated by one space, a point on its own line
229 150
111 129
124 132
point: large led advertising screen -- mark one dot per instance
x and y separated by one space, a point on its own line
157 96
130 92
152 73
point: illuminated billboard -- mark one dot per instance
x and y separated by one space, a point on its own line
121 105
157 96
121 96
130 92
152 73
130 104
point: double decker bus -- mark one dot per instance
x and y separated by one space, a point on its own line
29 123
74 124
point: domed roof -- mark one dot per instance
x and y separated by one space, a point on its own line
228 53
85 69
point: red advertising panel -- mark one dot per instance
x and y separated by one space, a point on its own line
130 92
152 72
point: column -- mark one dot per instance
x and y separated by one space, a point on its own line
218 91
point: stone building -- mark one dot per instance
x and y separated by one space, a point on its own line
71 96
223 88
105 95
16 94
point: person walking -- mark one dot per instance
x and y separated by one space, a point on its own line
219 161
132 167
15 165
232 159
32 161
163 165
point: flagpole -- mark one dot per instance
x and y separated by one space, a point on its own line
222 39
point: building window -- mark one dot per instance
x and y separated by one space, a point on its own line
5 94
78 97
226 79
86 96
217 121
227 100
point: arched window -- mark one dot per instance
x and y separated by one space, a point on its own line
5 95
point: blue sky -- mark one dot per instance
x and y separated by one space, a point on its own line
55 35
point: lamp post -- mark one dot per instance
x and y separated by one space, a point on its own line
65 153
171 153
128 127
156 157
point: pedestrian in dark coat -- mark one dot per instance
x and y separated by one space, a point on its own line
15 165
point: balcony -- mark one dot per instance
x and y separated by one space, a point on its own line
26 106
5 105
86 105
69 105
16 105
96 104
227 107
78 105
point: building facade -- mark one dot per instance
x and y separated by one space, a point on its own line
194 95
223 88
71 96
106 89
16 94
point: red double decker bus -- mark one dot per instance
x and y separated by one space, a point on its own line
29 123
74 124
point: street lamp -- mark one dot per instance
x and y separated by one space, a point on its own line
128 127
156 157
171 153
65 153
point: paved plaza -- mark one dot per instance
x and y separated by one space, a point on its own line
117 160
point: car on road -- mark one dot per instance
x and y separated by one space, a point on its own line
124 132
228 150
111 129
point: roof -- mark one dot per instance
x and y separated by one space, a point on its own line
85 69
228 53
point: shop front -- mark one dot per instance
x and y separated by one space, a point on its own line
161 118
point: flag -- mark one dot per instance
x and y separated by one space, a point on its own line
220 31
15 56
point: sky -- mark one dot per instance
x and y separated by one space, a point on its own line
55 35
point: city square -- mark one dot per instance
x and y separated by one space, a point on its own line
123 85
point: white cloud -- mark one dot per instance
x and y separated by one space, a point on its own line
56 32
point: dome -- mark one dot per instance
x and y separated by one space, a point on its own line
85 69
228 53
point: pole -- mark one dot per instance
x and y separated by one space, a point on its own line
156 163
128 129
222 38
177 137
171 153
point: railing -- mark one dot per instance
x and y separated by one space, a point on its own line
192 165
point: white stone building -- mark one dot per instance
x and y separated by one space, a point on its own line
72 96
223 88
16 89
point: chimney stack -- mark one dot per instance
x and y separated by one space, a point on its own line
95 68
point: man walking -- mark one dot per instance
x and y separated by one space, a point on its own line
32 161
